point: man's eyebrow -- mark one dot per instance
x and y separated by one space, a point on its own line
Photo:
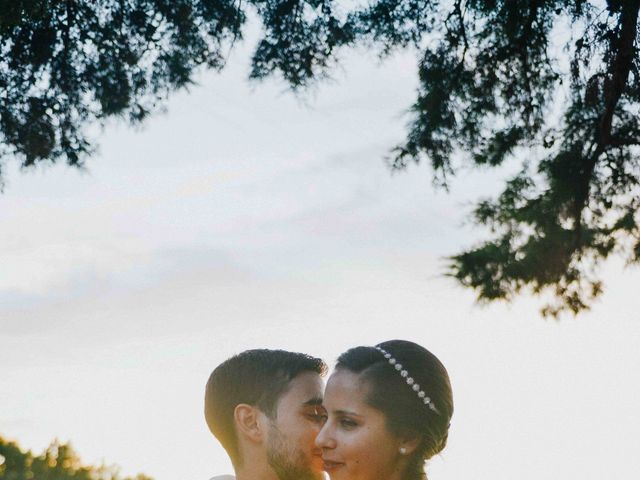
314 401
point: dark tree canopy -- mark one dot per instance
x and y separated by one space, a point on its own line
58 462
551 84
68 63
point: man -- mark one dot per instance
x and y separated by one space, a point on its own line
265 408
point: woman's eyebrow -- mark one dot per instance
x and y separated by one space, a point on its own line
346 412
315 401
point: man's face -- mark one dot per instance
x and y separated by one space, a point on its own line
291 449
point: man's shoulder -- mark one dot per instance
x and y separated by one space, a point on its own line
224 477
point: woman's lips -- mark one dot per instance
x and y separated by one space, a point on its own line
330 465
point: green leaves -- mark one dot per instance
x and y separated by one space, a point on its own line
58 462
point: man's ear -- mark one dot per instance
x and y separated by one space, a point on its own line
249 422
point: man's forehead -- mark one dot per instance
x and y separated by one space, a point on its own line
305 388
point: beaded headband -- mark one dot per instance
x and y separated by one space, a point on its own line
410 381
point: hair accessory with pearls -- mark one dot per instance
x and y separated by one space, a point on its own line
409 379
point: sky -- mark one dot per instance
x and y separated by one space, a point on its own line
247 217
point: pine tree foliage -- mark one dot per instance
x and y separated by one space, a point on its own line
553 85
64 64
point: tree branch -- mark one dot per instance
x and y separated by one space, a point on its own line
614 85
619 70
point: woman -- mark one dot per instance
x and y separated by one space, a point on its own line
389 409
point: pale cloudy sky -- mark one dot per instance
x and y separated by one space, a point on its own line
245 217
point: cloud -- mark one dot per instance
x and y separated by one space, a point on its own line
47 287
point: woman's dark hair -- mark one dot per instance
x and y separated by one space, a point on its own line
405 413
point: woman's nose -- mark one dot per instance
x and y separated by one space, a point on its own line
325 438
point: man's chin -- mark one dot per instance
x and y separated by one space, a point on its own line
313 471
311 474
317 474
317 467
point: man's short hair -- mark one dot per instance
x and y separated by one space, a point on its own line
255 377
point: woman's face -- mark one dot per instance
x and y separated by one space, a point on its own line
355 441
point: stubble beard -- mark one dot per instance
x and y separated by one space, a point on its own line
288 462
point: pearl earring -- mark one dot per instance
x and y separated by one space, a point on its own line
403 451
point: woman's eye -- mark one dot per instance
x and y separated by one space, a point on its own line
348 423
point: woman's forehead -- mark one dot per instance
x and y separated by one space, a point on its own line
345 386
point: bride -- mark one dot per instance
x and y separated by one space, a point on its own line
389 409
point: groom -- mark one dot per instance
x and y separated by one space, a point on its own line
265 408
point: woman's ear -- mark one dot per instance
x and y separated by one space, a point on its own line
248 422
409 445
